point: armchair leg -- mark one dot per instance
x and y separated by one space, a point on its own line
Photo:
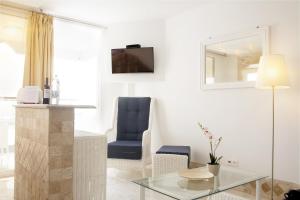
104 194
142 193
258 192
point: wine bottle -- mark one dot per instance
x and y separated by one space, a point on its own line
46 97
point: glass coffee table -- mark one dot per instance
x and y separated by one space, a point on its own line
180 188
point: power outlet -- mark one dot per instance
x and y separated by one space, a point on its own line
232 163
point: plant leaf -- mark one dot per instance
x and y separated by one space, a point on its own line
219 159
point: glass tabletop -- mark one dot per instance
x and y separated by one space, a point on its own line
180 188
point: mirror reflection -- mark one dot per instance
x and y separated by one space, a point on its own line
233 61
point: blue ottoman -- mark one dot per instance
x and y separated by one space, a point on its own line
178 150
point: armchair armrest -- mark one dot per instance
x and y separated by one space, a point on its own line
146 146
110 134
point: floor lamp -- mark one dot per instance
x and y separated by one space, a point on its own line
272 74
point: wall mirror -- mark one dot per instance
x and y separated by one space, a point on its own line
232 61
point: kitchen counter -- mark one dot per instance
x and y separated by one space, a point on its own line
44 151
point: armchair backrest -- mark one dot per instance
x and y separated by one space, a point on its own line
133 117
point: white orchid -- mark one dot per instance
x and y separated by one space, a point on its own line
214 144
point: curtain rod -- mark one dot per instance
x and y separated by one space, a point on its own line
38 10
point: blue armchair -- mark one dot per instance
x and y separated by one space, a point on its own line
130 135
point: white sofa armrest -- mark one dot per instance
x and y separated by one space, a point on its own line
89 166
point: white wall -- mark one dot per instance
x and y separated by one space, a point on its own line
241 116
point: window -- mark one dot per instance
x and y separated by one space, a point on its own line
12 57
76 64
76 55
12 50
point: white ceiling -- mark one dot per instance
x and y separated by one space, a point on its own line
105 12
111 11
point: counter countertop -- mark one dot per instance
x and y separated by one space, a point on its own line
53 106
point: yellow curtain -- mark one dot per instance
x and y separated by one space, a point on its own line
39 50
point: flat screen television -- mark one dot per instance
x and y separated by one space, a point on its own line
132 60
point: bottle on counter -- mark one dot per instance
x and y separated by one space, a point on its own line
55 90
46 92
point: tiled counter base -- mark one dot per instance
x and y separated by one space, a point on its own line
44 152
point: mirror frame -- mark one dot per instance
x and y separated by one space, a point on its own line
263 32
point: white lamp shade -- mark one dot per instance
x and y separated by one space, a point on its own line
272 72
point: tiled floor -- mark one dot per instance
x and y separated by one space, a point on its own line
119 187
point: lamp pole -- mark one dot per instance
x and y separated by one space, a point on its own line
273 74
273 136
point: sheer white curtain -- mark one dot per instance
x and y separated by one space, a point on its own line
12 56
77 50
